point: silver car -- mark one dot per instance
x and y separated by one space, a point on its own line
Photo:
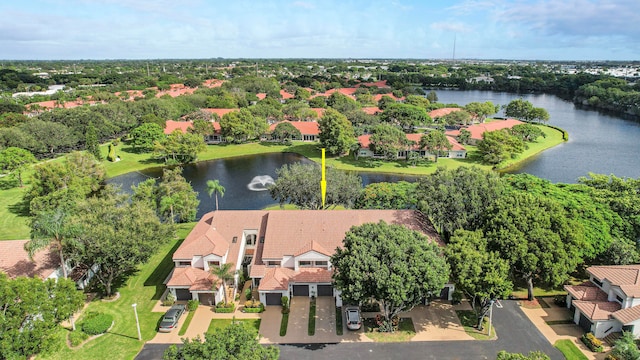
171 317
353 319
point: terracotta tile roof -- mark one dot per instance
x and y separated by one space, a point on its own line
586 292
628 315
257 271
365 141
305 127
377 97
319 111
261 96
172 125
196 279
627 277
371 110
477 130
312 275
597 310
14 260
379 84
276 279
313 246
442 112
212 83
288 231
219 112
285 95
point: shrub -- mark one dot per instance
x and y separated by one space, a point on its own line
223 307
169 300
192 305
247 294
592 342
560 300
256 307
285 302
237 297
96 323
456 297
77 337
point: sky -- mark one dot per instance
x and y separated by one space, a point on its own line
424 29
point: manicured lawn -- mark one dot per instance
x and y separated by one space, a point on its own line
405 331
187 322
570 350
222 323
554 137
14 225
469 321
312 317
339 328
143 288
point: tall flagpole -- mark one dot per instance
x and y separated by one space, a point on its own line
323 181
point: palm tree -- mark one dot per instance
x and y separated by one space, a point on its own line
225 273
50 228
214 187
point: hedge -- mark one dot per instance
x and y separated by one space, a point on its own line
592 343
223 308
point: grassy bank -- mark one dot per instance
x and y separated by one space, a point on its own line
143 288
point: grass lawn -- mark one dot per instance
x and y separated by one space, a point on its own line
469 321
14 225
312 317
339 327
187 322
143 288
570 350
284 323
405 331
222 323
554 137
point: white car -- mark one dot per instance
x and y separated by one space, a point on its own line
353 319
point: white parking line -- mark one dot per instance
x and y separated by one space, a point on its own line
498 304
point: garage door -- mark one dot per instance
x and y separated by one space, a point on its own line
325 290
206 298
183 294
584 323
300 290
274 299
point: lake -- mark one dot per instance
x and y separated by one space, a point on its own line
597 143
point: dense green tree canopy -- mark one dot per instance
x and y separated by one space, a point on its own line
435 141
385 195
397 266
285 131
234 342
15 161
179 147
336 133
299 184
240 126
144 136
387 139
497 146
406 116
482 110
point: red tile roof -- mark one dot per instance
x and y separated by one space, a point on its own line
285 95
597 310
261 96
319 111
172 125
477 130
219 112
312 275
196 279
313 246
276 279
442 112
586 292
379 84
14 260
628 315
305 127
371 110
377 97
627 277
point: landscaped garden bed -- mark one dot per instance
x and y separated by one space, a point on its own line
404 331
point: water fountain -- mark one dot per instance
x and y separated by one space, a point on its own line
260 183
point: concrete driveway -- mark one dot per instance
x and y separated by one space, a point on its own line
437 321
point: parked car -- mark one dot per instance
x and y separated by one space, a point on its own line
171 317
353 319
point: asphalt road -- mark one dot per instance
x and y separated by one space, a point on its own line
515 334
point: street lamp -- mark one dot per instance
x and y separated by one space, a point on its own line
490 315
135 311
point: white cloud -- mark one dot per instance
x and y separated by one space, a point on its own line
456 27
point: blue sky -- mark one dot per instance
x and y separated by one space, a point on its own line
484 29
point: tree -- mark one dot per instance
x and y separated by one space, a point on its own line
519 109
406 116
176 198
435 141
460 117
538 114
144 136
214 187
285 131
482 110
535 236
385 101
481 274
625 348
51 228
299 184
234 342
224 273
417 100
241 126
179 148
15 161
497 146
457 198
202 127
385 195
534 355
432 96
620 252
31 311
464 136
117 236
336 133
387 139
397 266
302 94
527 132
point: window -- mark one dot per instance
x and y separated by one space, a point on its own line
273 263
620 300
321 263
261 239
214 263
597 282
184 263
304 263
251 239
235 239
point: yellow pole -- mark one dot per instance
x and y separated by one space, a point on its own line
323 181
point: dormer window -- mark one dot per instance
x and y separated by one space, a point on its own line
184 263
597 282
273 263
619 299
